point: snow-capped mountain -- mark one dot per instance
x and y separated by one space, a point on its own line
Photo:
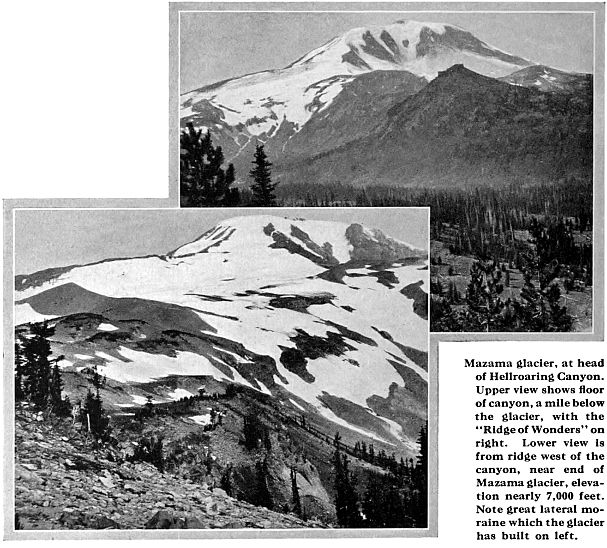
274 105
330 318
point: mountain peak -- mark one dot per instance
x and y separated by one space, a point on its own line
423 48
274 105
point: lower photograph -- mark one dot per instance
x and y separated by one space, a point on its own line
220 369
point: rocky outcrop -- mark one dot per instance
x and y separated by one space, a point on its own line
376 247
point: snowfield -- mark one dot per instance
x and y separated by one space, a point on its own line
257 300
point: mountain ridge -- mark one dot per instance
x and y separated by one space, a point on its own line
447 134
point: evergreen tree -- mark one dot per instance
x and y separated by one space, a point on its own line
539 308
295 493
97 379
482 297
204 183
149 406
421 478
383 502
37 367
262 187
150 450
94 417
255 431
346 499
226 482
372 500
262 495
19 372
59 405
157 453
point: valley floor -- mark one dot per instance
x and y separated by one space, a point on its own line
456 269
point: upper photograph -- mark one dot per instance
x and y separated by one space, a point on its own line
485 117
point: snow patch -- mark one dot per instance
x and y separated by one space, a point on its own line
64 364
327 413
142 367
264 388
202 420
179 393
297 405
24 313
107 327
140 400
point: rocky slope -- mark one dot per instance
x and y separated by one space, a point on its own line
62 482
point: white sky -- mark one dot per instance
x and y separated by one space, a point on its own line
61 237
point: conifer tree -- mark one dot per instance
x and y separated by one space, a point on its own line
346 499
149 406
203 181
295 493
482 297
37 368
262 187
59 405
262 496
254 431
94 418
19 374
150 450
421 478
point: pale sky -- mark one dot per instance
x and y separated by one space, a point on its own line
61 237
216 46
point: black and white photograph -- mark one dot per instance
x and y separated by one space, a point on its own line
291 272
484 116
221 369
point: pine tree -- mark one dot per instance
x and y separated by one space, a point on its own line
59 405
149 406
226 482
346 499
262 187
94 417
19 373
295 493
482 297
262 496
421 478
254 431
150 450
37 367
373 506
157 456
204 183
97 380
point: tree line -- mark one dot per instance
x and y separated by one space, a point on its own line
204 182
394 498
